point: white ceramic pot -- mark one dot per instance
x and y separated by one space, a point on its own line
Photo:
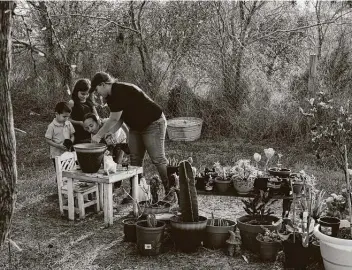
336 252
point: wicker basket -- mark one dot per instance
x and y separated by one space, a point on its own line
184 128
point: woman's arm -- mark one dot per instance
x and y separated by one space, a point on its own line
108 125
94 109
75 122
126 130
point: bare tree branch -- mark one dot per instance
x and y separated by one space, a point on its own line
30 46
99 18
291 30
21 43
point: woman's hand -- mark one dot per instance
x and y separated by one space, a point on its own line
96 138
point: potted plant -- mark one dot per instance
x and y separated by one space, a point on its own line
205 179
336 209
217 232
243 176
129 229
223 180
259 215
187 229
270 244
298 231
297 183
337 205
152 205
150 234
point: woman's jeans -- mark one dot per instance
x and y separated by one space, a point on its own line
151 140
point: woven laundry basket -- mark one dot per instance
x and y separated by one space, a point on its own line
184 128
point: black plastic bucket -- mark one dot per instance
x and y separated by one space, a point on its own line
329 225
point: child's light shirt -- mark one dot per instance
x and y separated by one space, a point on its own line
58 132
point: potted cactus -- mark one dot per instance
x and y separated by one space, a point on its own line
187 229
150 234
217 232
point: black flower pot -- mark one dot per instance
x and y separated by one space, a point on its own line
329 225
90 156
261 183
296 256
268 250
188 236
200 182
129 229
149 239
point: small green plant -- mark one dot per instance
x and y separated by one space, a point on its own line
318 205
218 221
268 236
258 207
172 161
337 205
151 221
243 170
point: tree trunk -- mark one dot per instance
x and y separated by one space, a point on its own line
8 169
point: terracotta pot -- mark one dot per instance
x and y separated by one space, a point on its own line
249 232
268 250
188 236
222 185
149 239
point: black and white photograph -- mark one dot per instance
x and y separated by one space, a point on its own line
167 134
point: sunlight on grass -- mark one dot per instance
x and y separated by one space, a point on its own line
45 237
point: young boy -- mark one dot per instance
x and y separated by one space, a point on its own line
59 130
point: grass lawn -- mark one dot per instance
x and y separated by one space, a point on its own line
49 241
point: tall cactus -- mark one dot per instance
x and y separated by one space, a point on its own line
188 193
